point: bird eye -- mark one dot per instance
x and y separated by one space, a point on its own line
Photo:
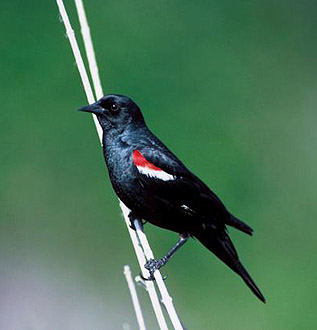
114 107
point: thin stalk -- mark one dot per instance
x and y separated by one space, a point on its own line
139 236
134 297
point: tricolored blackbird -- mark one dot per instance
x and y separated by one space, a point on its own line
157 187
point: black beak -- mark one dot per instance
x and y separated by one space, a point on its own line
93 108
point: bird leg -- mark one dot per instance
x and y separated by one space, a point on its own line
152 265
132 218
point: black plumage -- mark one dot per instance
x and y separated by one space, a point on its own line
157 187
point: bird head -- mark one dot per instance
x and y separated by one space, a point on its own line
115 112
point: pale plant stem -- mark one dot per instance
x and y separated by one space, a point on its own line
166 298
149 285
139 236
90 97
89 47
79 61
134 297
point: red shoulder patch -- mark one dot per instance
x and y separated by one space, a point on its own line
139 160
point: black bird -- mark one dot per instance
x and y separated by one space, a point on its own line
157 187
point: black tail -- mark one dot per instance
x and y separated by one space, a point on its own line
238 224
223 248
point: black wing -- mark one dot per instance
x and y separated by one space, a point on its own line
186 191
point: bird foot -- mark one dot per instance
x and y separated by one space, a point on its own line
152 278
132 218
152 265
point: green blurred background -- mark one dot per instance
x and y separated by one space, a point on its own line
230 87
